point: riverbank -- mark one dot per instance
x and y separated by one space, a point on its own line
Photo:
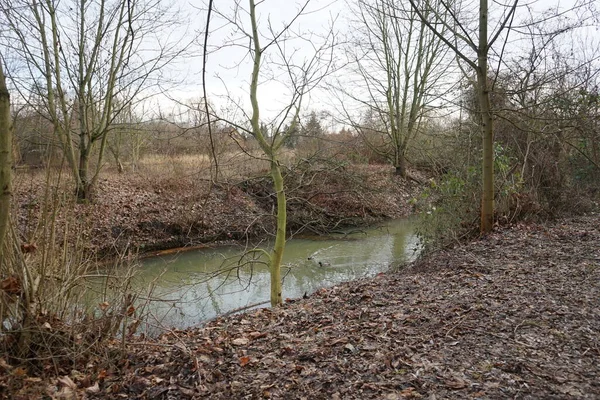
511 315
154 209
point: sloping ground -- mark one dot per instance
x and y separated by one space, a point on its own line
154 212
328 196
513 315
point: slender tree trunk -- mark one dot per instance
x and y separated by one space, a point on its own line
278 249
595 152
487 201
401 165
84 186
487 130
5 159
135 153
270 150
116 149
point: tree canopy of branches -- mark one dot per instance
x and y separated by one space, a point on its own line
301 75
88 61
398 65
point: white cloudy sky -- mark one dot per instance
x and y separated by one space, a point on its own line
229 65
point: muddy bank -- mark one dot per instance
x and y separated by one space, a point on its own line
140 213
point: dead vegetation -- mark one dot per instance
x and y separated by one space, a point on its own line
513 315
170 202
48 323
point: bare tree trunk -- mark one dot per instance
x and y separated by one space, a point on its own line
5 159
401 165
277 255
487 132
84 185
487 129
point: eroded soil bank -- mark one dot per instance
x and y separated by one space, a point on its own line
145 212
513 315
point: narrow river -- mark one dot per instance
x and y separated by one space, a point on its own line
195 286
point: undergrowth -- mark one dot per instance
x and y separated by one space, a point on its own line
60 309
450 205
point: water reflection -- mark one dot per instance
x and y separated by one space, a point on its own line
199 285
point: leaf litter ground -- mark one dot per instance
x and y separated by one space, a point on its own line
513 315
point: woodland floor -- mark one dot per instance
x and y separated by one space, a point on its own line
513 315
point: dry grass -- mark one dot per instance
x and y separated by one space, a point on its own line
232 165
175 165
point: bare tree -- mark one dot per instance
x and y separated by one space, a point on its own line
399 64
89 60
128 135
460 37
300 78
553 88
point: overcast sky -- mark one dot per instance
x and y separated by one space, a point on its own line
229 65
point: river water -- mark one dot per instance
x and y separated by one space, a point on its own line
194 286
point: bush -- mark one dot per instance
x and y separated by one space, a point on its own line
450 206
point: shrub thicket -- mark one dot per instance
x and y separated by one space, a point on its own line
546 162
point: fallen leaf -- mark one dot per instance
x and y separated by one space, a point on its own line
244 360
66 393
240 341
4 364
456 383
570 391
410 393
28 247
95 388
187 392
11 285
67 382
256 335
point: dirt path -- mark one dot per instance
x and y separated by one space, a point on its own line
513 315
